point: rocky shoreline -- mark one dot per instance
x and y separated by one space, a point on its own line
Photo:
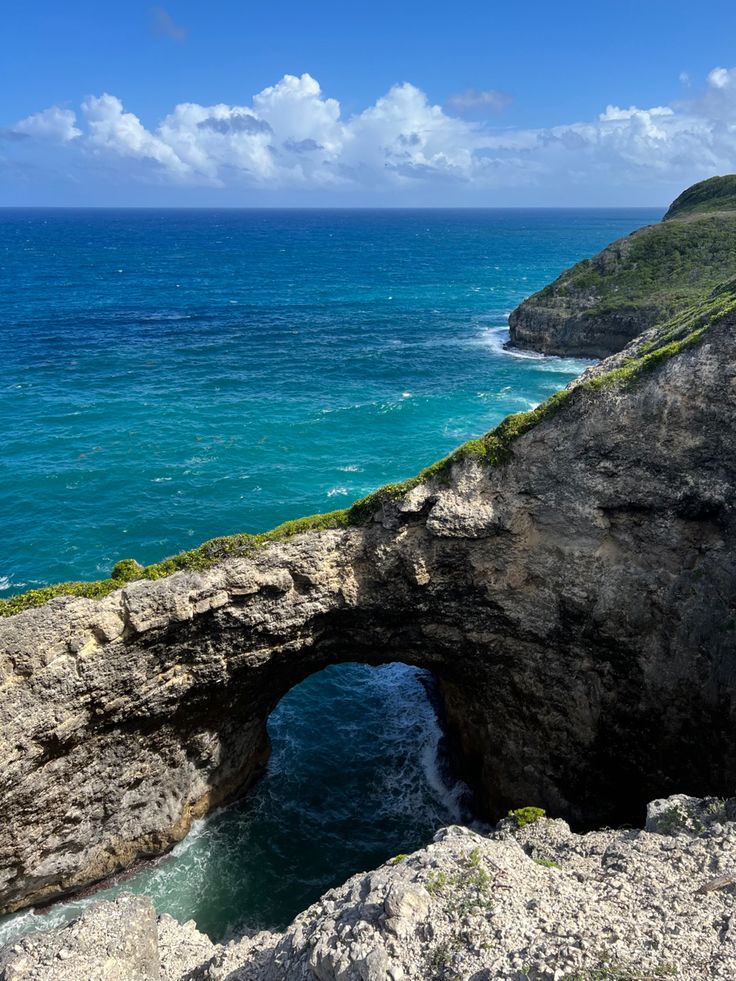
568 581
528 901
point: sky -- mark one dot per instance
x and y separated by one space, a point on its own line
319 104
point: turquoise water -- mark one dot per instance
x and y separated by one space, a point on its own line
172 376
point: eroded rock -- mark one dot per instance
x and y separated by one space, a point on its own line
537 902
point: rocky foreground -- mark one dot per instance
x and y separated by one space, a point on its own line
534 902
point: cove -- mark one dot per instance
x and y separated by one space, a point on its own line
358 773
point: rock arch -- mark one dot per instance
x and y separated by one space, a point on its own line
576 604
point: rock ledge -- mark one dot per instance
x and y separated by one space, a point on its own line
537 903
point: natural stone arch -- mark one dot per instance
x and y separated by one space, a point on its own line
575 603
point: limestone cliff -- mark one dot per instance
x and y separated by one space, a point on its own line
595 308
570 578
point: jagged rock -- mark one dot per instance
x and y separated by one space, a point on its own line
115 941
537 903
182 948
574 599
680 814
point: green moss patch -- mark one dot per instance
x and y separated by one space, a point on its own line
527 815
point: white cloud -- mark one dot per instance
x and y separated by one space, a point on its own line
488 100
111 128
291 135
722 78
50 124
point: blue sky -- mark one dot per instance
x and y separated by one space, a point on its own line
393 103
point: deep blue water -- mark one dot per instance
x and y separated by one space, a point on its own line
170 376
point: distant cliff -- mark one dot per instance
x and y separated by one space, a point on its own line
595 308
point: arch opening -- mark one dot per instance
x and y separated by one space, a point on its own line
361 769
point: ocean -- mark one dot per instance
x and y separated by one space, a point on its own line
170 376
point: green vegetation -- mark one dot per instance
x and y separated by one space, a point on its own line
465 893
648 276
527 815
715 194
436 882
494 449
397 858
547 863
441 957
675 819
659 269
616 971
467 890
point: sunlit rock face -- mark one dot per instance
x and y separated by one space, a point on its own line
576 604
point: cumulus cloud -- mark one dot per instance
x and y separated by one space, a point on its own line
50 124
485 100
163 25
722 78
112 129
292 135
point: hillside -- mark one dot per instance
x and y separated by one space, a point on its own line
595 308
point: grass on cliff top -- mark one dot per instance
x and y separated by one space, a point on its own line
714 194
493 449
663 268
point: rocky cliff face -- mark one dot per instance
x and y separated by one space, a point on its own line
595 308
531 903
573 589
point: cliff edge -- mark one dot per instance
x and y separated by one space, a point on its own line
595 308
529 901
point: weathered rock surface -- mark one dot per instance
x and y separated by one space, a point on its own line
109 942
577 603
595 308
533 904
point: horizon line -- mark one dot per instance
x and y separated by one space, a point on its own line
332 207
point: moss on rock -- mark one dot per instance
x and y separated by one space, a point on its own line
527 815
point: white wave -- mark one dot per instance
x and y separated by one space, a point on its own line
161 315
30 921
495 338
5 582
351 468
197 830
337 491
